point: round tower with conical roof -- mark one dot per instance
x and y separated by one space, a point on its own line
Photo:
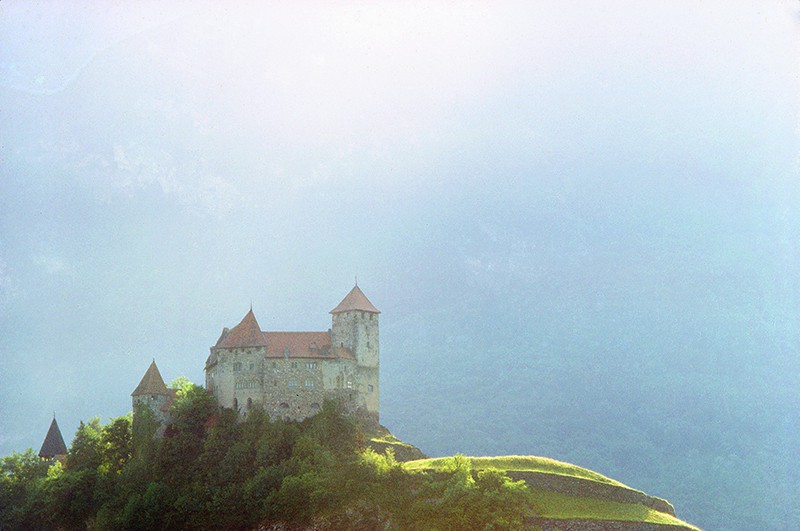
355 329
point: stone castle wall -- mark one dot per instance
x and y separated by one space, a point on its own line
358 332
288 387
159 408
342 364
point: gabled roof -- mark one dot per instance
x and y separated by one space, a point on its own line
301 345
355 301
245 334
53 444
152 383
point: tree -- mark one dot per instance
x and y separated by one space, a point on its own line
181 382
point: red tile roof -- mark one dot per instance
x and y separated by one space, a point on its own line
152 383
302 345
355 300
245 334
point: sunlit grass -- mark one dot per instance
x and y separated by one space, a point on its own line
390 439
563 506
551 504
522 463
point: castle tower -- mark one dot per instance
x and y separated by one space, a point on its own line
355 328
152 393
53 445
234 368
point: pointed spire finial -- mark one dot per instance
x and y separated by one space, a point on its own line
356 280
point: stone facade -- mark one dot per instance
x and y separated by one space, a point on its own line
290 374
152 394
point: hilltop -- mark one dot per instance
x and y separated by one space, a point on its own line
215 469
564 494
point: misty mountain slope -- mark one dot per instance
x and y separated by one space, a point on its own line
582 236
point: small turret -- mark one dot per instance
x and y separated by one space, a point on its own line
53 445
152 393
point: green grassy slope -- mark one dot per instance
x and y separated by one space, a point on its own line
559 505
380 439
521 463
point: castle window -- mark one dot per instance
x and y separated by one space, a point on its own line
292 383
349 384
309 383
294 365
311 365
252 366
370 388
249 403
235 404
237 366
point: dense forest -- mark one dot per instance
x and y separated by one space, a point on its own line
214 470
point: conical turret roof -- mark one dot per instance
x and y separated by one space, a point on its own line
53 444
152 383
246 334
355 301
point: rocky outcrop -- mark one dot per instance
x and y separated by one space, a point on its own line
380 439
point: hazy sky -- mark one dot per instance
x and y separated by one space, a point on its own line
163 165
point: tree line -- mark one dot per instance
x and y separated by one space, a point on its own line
213 469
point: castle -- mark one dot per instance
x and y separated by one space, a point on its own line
289 374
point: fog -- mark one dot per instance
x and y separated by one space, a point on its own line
580 222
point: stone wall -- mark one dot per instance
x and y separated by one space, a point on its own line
158 406
580 524
575 486
358 332
289 387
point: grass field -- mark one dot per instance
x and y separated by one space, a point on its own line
556 505
523 463
552 504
